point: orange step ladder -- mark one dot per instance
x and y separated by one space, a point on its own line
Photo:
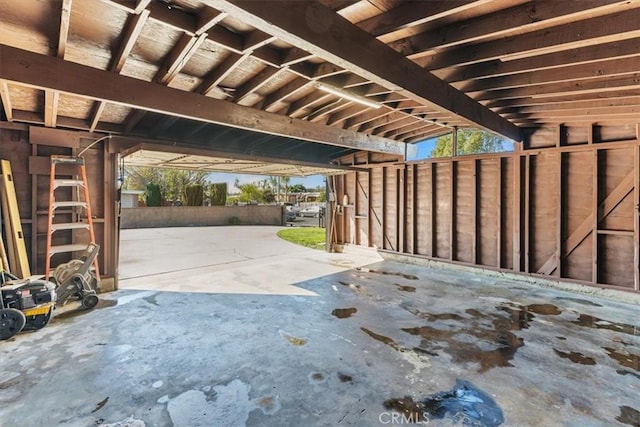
82 222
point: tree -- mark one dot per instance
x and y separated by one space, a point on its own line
470 141
172 182
152 195
297 188
249 192
193 195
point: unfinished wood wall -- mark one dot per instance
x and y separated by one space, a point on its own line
565 206
29 150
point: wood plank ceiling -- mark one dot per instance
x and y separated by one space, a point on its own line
261 66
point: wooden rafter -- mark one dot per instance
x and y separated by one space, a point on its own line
412 14
382 65
6 100
585 55
182 51
41 71
525 17
132 31
597 96
255 83
561 38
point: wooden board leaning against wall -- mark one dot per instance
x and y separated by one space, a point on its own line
565 206
29 148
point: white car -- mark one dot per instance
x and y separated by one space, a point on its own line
312 211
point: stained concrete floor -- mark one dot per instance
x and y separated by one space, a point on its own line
329 356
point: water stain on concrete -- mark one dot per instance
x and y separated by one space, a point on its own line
629 415
626 359
405 288
317 378
151 299
561 338
594 322
345 378
343 313
623 372
546 309
488 347
269 405
413 411
580 301
386 340
388 273
576 357
298 342
100 404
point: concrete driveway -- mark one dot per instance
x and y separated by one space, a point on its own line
234 259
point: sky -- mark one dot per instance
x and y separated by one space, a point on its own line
230 179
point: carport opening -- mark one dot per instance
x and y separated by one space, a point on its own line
197 223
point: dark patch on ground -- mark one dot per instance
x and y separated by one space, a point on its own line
628 360
151 299
386 340
580 301
629 415
561 338
404 288
388 273
594 322
317 376
623 372
102 303
342 313
101 404
465 404
576 357
344 377
546 309
454 342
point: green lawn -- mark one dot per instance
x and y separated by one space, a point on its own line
311 237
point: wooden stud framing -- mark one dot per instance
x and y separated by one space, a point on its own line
499 213
559 241
6 100
636 222
383 194
414 207
517 211
594 214
433 225
452 210
527 212
474 207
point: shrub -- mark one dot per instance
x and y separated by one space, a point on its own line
218 194
234 220
193 195
152 196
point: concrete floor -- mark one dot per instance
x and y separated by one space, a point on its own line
329 353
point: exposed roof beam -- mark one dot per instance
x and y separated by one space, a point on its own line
410 14
523 101
180 54
51 98
595 85
584 55
41 71
207 18
6 100
132 31
564 37
255 83
614 67
65 17
285 91
220 72
529 105
306 102
342 46
345 114
530 16
320 115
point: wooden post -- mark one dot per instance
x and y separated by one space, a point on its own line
382 218
402 208
559 251
432 206
474 209
595 215
354 212
452 210
517 211
454 142
527 212
369 210
636 224
414 207
499 215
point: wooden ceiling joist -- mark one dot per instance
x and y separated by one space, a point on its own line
565 37
342 45
585 55
6 100
521 18
40 71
